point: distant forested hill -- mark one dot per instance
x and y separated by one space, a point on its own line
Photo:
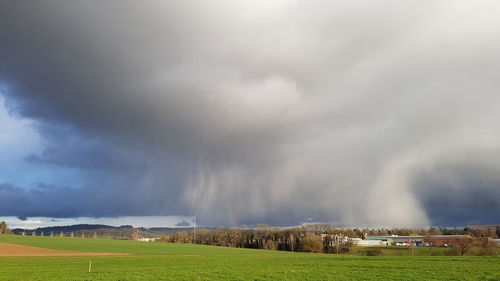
65 228
100 230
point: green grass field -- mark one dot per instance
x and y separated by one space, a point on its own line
165 261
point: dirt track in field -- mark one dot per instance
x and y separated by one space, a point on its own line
13 250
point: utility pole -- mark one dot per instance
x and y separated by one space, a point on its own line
194 226
194 217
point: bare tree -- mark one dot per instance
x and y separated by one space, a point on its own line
462 246
312 243
4 229
136 235
488 248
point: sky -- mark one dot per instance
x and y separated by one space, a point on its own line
359 113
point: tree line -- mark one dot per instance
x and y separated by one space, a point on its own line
317 238
474 232
298 239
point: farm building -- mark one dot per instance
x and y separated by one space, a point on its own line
444 240
447 240
333 238
398 240
367 243
417 240
145 239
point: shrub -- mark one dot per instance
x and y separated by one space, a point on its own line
462 246
374 252
269 245
488 249
312 243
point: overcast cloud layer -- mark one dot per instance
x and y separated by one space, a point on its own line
280 112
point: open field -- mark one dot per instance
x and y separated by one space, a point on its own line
15 250
164 261
417 251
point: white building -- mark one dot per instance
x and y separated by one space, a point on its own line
147 239
367 243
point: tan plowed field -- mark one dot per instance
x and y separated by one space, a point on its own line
13 250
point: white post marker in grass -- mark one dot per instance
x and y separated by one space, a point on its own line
90 266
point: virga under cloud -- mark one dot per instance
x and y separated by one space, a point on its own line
265 111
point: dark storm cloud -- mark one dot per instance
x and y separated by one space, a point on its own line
64 202
72 150
462 191
278 112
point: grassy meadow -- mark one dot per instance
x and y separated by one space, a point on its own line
166 261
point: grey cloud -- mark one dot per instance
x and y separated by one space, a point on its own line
183 223
255 112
